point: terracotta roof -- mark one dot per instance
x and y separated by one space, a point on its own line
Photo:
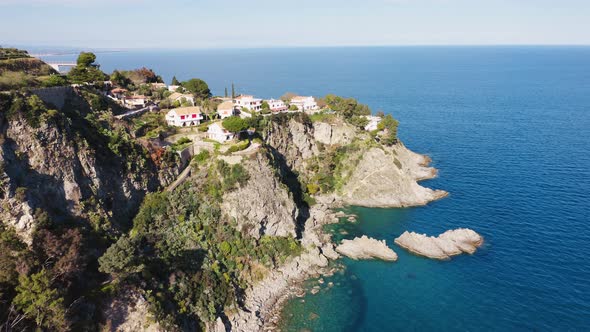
137 97
225 106
300 98
188 110
178 95
118 90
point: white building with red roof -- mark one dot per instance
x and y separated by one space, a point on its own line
184 116
277 105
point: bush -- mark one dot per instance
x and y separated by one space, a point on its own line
202 157
20 194
241 145
235 124
54 80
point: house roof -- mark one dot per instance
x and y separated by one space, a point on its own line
226 105
300 98
118 90
220 126
187 110
137 97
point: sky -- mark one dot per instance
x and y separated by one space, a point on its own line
266 23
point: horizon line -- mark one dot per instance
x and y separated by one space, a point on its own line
119 49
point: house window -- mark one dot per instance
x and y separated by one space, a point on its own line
182 117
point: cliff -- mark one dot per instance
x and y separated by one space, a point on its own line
337 159
56 163
264 206
387 177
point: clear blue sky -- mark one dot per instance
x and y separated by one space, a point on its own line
267 23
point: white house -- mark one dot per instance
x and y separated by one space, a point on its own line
184 116
226 109
135 101
249 102
218 133
304 103
373 122
173 87
118 93
277 105
180 97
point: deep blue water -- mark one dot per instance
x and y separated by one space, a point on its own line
509 130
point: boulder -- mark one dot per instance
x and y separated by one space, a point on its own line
450 243
366 248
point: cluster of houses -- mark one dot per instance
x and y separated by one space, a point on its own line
187 114
243 106
125 98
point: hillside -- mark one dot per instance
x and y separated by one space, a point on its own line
19 70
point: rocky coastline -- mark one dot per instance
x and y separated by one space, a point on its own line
265 300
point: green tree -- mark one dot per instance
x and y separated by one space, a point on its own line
233 91
174 81
265 105
120 259
40 302
235 124
55 80
198 87
225 95
389 125
86 59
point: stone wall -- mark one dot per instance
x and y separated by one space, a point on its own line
55 96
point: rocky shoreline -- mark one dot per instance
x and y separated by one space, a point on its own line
264 301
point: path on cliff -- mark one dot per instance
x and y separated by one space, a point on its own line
180 179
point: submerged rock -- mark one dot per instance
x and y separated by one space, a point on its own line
447 244
366 248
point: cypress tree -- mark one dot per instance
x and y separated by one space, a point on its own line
233 91
225 92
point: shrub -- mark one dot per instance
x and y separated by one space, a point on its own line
20 194
241 145
202 157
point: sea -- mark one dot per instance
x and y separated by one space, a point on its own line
508 128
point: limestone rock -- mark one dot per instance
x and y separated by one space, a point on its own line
366 248
129 312
264 205
388 177
450 243
330 134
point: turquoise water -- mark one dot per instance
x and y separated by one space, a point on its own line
509 130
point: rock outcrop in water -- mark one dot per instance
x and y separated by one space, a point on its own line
366 248
447 244
387 177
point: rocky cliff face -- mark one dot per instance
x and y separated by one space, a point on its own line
264 206
292 141
373 176
63 169
387 177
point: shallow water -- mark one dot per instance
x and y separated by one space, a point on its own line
509 130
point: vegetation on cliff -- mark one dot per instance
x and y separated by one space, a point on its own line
191 263
53 282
